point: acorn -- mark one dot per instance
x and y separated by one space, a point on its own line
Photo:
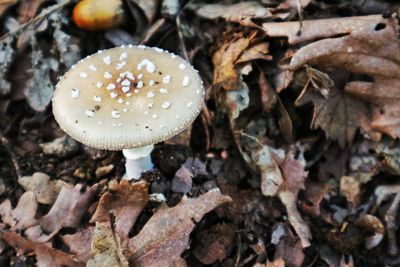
98 15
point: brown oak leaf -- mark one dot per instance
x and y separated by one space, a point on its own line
232 54
166 235
45 254
339 114
366 45
125 204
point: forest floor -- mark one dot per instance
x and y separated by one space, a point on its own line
294 160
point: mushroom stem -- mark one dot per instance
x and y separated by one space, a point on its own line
137 161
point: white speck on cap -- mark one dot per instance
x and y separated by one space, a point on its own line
169 111
166 79
163 91
150 66
120 65
107 75
166 105
126 82
185 81
97 98
140 84
115 114
83 75
111 86
123 56
74 93
90 113
92 67
107 60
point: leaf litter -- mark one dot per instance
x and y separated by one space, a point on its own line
299 134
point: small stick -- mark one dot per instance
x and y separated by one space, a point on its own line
39 17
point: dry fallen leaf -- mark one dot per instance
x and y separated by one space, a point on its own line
46 256
231 57
71 204
69 207
290 250
125 204
80 242
367 45
350 188
106 248
39 88
5 4
45 190
294 178
215 243
166 235
23 216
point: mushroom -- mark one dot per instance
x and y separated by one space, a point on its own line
128 98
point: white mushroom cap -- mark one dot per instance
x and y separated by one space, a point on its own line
127 97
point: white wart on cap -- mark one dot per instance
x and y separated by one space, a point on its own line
127 97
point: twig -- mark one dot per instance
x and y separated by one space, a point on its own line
390 219
6 144
38 18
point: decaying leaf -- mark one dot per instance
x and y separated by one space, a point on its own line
66 44
165 236
350 188
28 9
215 243
268 160
23 215
360 50
45 254
314 193
45 190
69 207
290 250
182 182
245 12
80 242
294 174
71 204
125 204
39 88
106 247
5 4
229 59
339 115
7 54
